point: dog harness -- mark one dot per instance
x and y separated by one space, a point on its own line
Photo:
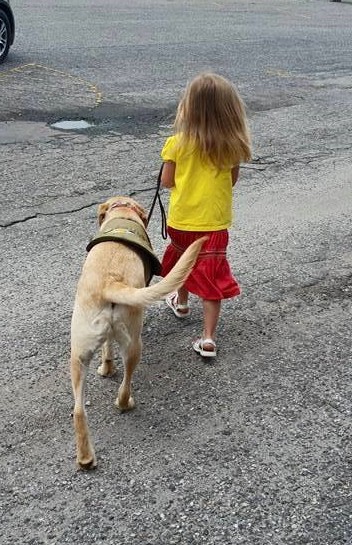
131 234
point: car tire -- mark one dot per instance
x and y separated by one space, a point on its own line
5 35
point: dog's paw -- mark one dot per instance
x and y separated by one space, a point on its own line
124 405
86 463
106 369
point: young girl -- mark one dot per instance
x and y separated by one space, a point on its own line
200 167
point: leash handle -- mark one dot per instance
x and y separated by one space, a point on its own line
161 206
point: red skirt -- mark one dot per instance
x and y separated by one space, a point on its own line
211 277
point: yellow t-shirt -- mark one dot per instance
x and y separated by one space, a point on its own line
201 199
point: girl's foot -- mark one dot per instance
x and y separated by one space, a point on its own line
180 311
205 347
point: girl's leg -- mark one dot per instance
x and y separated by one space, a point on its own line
206 346
182 296
211 310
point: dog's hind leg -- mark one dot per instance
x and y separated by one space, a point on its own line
87 335
107 367
85 450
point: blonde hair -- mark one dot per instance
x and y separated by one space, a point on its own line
211 115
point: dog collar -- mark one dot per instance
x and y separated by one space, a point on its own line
124 204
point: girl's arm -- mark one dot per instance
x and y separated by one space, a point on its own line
235 171
168 174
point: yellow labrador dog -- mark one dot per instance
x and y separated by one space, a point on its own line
110 299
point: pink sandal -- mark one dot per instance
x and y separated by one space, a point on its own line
180 311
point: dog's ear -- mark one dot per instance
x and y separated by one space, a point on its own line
102 209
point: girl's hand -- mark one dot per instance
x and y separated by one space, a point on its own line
168 174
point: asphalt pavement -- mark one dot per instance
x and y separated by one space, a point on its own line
254 448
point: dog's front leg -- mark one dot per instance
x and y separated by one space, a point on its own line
107 367
85 451
131 357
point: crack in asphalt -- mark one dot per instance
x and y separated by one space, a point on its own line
34 216
71 211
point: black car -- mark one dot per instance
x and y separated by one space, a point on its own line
7 28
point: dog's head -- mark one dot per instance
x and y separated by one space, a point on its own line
123 207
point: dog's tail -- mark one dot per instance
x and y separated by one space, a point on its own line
125 295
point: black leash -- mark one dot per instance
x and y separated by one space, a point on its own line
162 209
